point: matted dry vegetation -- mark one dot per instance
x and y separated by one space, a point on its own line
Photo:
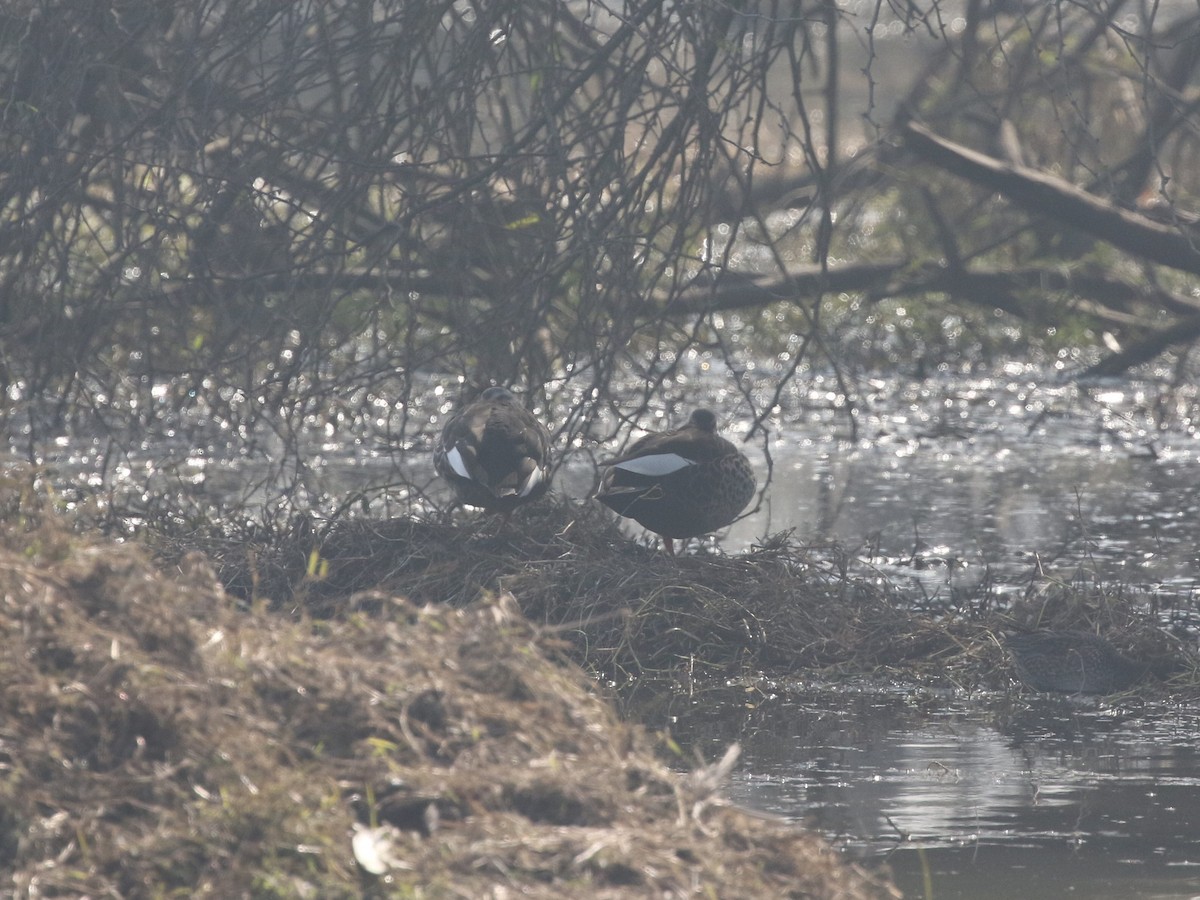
629 611
160 737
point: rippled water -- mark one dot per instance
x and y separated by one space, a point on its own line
949 482
946 517
944 513
954 484
969 797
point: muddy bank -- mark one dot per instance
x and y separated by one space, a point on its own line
162 735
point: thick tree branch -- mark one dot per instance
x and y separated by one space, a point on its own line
1178 334
734 290
1110 300
1049 196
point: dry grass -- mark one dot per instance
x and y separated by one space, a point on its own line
160 737
629 611
627 608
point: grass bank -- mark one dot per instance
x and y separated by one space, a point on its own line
625 611
167 734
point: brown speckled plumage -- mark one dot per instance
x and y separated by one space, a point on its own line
494 453
710 483
1073 662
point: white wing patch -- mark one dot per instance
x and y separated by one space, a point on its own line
655 464
535 478
454 457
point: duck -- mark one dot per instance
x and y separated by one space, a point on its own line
494 453
1072 662
681 483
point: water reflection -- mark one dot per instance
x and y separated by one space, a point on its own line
961 790
942 517
1126 519
953 483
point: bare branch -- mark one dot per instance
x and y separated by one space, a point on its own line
1047 195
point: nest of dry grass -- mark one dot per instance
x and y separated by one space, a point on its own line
160 737
627 609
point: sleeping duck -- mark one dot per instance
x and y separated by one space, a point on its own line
494 453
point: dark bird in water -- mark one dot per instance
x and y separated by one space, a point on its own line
494 453
681 483
1073 662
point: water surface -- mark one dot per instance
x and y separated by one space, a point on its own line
996 795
